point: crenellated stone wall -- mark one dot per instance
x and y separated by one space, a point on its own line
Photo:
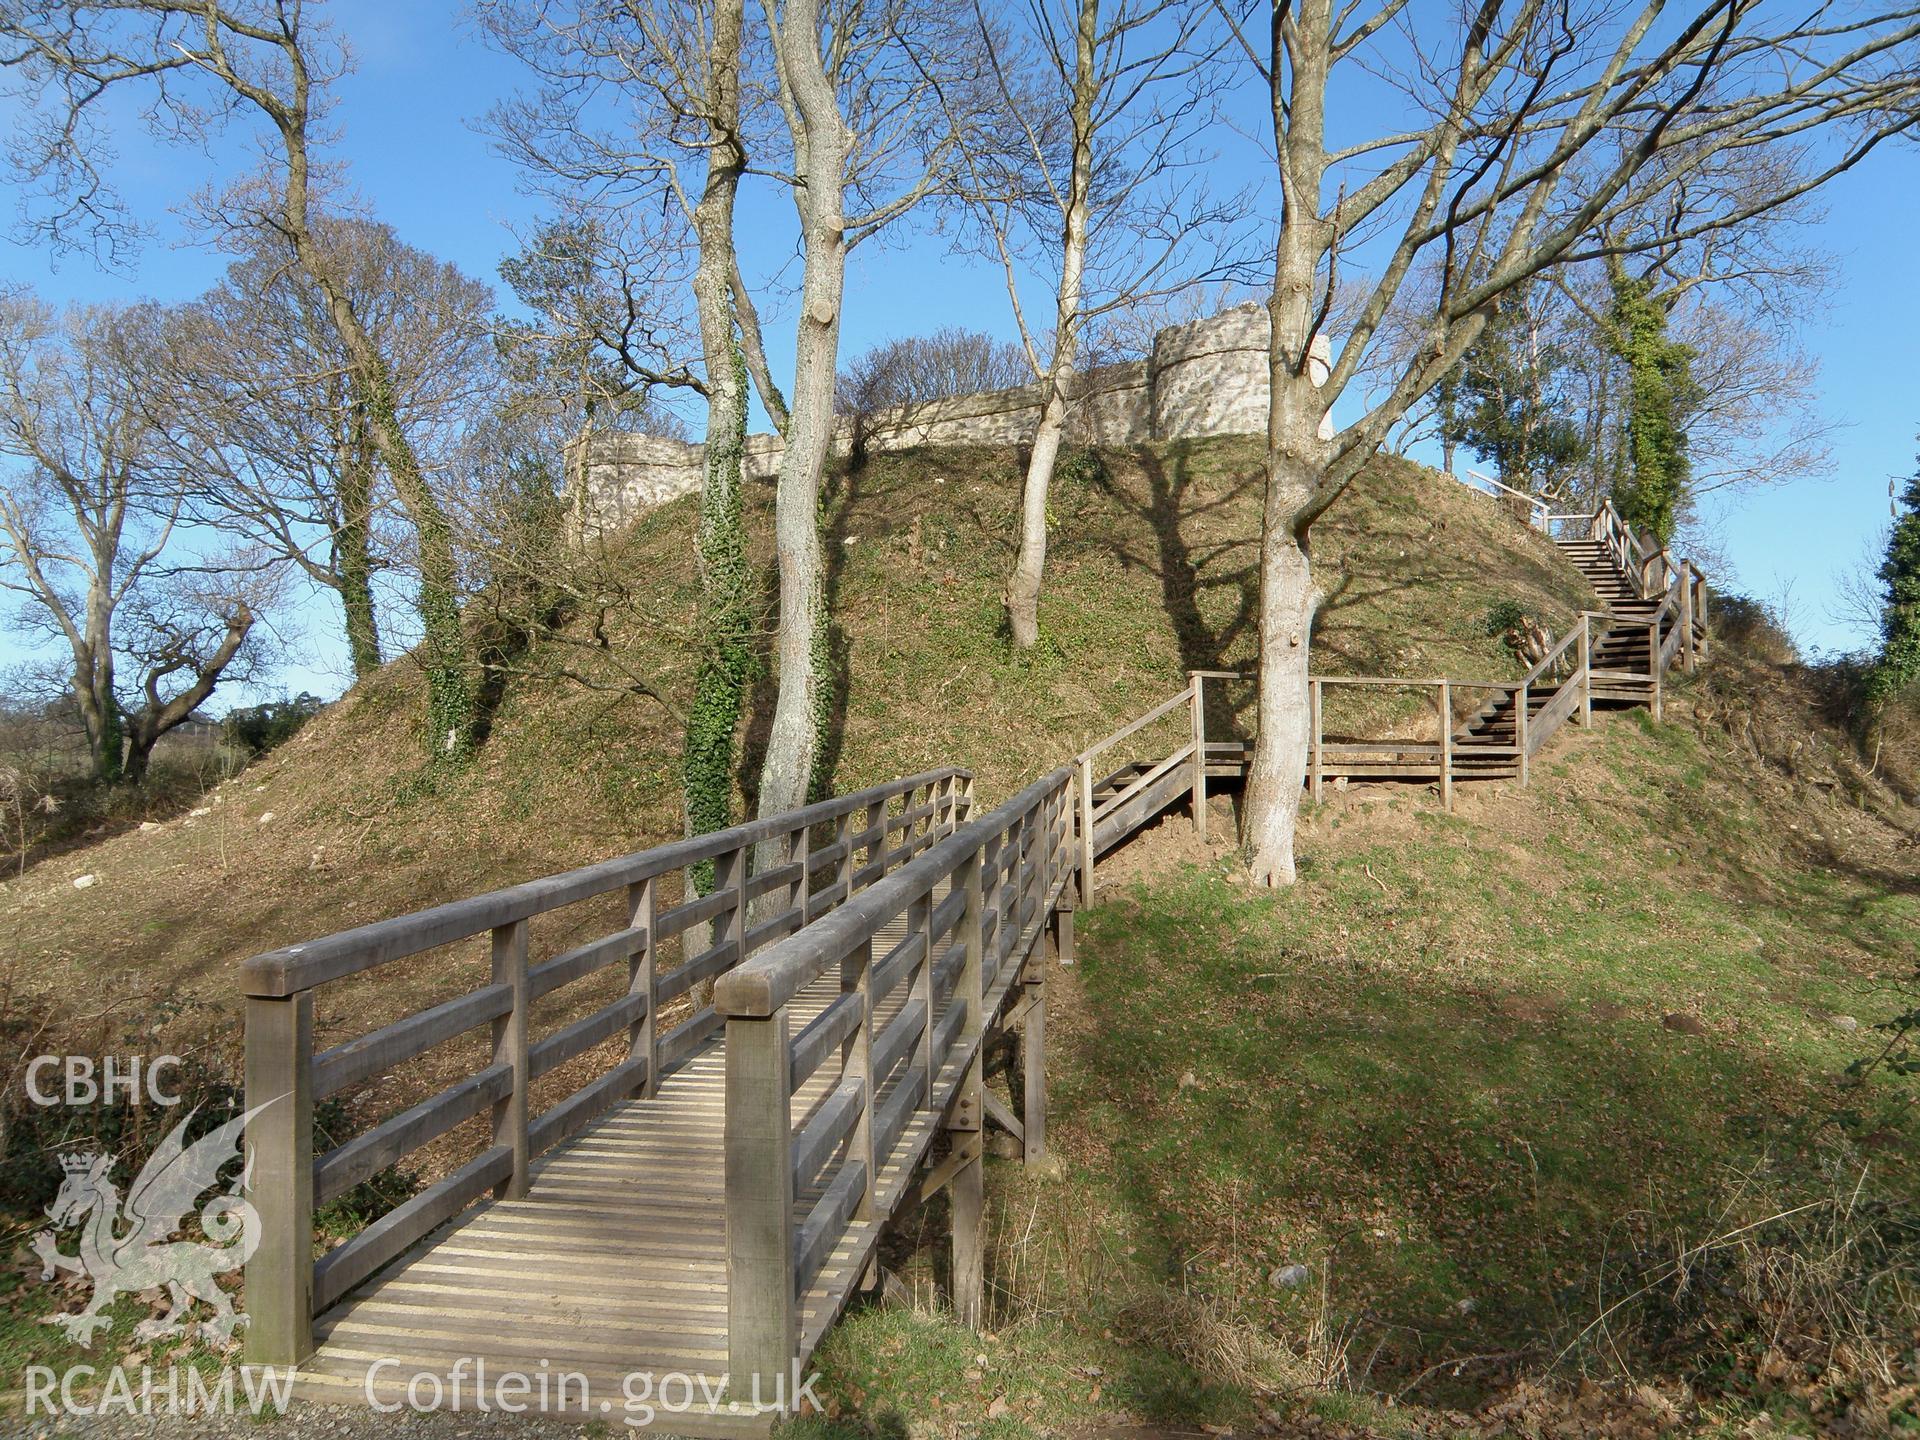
1207 377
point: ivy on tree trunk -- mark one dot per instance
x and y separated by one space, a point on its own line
353 550
1661 393
726 619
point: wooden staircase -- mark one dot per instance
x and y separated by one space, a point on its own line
1629 641
1652 618
1623 660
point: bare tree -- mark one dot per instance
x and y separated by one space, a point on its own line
653 105
270 433
1735 296
201 63
918 368
596 353
87 519
876 103
1529 131
1093 178
1757 420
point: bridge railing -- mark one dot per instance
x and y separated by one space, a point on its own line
819 856
878 1065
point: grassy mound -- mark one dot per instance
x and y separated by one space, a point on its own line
1152 574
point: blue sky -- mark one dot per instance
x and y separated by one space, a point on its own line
407 118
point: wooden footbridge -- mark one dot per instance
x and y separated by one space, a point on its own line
664 1203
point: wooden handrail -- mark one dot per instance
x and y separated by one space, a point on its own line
1137 786
1418 684
1546 661
1164 708
292 968
958 963
763 984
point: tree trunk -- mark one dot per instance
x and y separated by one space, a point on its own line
1298 454
353 558
139 757
726 609
156 717
444 651
93 681
787 772
1289 600
1029 566
801 708
100 714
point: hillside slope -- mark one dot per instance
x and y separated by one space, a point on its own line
1492 1106
1152 574
1531 1119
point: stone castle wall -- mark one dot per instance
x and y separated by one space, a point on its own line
1207 377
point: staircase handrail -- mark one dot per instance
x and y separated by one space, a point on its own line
1546 661
1625 547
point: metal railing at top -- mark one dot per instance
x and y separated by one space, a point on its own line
1539 512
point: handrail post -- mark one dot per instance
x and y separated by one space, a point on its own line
731 923
856 1062
992 883
1025 859
1686 616
1316 702
967 1191
643 1036
510 1049
1199 786
762 1317
1446 744
876 816
1032 882
969 988
279 1081
1522 703
924 1061
1086 830
800 848
1654 666
842 875
1586 671
1049 840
